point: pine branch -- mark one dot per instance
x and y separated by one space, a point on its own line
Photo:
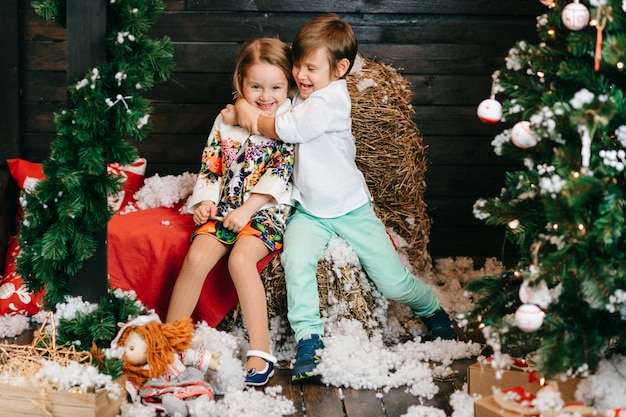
66 209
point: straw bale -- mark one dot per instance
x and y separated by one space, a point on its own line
341 290
390 153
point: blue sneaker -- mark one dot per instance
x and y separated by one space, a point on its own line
259 378
440 326
307 357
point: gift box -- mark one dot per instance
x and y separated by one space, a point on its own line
482 377
490 406
25 401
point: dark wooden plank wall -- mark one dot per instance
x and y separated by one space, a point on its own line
446 49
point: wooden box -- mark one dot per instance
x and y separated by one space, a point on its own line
482 378
28 401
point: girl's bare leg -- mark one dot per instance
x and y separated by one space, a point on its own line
242 261
201 257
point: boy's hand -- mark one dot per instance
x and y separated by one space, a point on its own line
229 114
247 116
204 211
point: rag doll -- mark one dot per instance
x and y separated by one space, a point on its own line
160 368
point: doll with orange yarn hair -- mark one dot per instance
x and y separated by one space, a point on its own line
160 367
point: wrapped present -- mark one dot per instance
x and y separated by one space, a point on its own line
555 399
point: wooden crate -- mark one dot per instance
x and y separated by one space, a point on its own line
31 402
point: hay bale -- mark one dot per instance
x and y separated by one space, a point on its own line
344 292
391 156
390 153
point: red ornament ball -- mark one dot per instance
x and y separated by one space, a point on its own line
489 111
529 317
522 136
547 2
575 16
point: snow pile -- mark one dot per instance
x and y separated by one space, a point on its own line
249 403
606 389
11 326
353 359
164 191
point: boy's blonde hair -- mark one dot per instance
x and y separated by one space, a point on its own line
270 50
326 31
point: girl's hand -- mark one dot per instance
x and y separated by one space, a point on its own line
204 211
237 219
229 114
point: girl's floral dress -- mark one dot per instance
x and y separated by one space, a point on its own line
234 165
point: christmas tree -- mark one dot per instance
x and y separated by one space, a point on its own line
562 101
64 211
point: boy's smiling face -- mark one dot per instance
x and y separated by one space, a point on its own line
313 72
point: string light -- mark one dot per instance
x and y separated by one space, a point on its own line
513 224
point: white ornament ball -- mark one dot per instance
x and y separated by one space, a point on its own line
522 136
575 16
529 317
489 111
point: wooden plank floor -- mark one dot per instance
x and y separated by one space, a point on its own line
312 398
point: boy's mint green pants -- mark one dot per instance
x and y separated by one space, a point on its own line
305 239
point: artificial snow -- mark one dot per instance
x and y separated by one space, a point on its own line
76 375
163 191
13 325
462 403
378 357
606 389
423 411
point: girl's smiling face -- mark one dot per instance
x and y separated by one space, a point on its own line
313 72
265 87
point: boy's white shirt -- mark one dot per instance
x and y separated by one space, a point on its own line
327 182
268 184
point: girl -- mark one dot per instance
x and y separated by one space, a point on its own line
241 201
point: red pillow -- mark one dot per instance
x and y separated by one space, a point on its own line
24 171
133 175
14 296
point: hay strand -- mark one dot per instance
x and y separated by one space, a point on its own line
26 360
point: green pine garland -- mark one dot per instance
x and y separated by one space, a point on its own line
94 330
65 211
568 219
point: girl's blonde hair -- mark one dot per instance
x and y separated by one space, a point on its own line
329 32
269 50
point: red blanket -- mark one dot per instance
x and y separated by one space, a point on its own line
145 252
